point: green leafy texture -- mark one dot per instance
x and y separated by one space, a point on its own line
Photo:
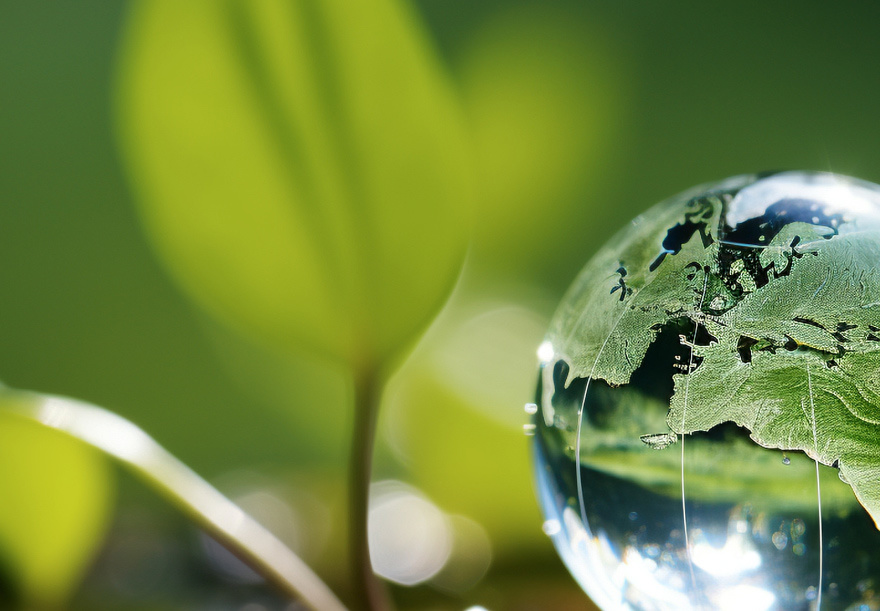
57 500
811 376
726 472
729 472
834 282
819 395
301 166
604 336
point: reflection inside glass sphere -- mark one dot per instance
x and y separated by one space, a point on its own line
707 417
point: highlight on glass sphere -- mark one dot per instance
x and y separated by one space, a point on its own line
707 417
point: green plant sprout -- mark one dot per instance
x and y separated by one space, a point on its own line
275 210
201 502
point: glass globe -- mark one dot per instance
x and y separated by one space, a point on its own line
707 417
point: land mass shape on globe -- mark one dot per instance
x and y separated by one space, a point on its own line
775 294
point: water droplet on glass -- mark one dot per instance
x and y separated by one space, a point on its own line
551 527
651 550
786 460
545 352
779 539
529 429
531 408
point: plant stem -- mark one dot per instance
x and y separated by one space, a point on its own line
367 589
206 506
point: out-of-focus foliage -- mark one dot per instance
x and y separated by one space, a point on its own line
544 95
301 166
620 106
57 497
460 395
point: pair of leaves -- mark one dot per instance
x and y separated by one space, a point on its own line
301 166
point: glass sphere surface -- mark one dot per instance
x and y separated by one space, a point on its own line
707 433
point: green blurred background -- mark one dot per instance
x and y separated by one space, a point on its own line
534 130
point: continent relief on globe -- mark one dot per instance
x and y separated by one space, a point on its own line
785 344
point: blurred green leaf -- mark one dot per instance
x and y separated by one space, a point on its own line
284 381
465 462
301 166
122 440
544 92
485 354
454 416
57 500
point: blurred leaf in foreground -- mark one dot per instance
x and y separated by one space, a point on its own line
57 499
301 166
80 422
303 170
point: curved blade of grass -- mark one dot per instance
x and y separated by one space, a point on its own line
203 503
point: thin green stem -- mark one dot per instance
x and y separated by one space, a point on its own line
219 516
368 590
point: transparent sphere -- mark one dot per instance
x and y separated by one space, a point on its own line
707 420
